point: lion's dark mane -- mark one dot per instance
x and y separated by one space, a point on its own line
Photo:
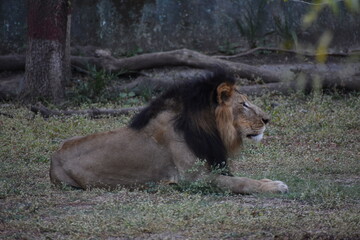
191 100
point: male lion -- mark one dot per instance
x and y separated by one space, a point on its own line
205 119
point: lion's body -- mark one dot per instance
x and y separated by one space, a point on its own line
164 142
122 162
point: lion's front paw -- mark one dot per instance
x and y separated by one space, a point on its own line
268 185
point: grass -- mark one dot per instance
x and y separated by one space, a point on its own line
312 144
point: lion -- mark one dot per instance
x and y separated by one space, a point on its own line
205 119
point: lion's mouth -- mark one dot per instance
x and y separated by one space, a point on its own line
255 137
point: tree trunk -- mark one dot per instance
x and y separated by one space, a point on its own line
47 62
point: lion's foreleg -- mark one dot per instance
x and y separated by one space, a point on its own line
245 185
188 169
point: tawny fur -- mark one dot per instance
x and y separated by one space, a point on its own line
158 152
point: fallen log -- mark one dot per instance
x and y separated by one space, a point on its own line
182 57
304 85
332 75
351 83
12 63
283 88
93 113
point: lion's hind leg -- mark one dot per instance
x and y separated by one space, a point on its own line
59 176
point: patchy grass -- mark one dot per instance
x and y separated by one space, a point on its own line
312 144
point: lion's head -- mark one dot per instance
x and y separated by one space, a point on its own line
249 119
236 117
211 114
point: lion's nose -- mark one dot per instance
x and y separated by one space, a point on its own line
266 120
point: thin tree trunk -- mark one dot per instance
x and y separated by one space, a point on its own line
47 64
68 50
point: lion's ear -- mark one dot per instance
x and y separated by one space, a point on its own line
224 92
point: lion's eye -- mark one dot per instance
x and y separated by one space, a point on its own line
245 105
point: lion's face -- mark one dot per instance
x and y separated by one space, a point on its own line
237 118
249 120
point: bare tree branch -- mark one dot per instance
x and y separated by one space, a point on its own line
303 53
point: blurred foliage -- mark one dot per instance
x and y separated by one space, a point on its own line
323 45
316 7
